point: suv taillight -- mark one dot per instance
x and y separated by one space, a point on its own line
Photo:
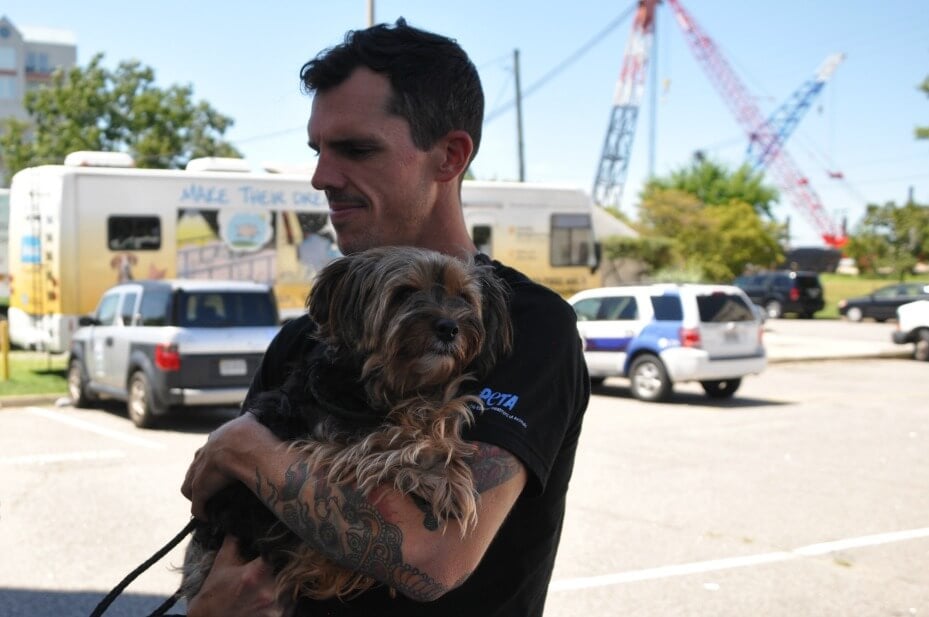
167 357
794 294
690 337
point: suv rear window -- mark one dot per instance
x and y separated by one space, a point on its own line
723 307
219 309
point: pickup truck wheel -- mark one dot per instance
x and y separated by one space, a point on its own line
723 388
649 380
77 385
139 403
921 350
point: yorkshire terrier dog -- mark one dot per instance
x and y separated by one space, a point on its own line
379 400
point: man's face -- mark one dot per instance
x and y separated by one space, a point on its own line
379 185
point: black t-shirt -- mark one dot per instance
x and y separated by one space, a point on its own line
534 403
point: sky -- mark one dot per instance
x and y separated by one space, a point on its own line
244 59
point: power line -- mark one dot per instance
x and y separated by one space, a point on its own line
564 64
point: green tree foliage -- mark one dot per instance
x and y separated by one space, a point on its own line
891 238
94 108
922 132
714 218
713 184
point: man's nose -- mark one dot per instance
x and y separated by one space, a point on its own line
326 175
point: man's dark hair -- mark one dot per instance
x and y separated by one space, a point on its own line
435 85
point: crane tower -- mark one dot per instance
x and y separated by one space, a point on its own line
614 161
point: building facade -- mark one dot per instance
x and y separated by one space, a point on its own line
28 56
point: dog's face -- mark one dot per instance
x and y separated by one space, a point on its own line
414 319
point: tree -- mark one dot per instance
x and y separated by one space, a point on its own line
713 184
93 108
714 218
891 238
922 132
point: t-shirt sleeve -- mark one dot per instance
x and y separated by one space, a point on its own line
535 396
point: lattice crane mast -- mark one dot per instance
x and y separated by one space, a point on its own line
786 174
614 161
784 119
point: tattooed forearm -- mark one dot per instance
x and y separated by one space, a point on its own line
343 524
492 466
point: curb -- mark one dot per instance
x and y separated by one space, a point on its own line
25 400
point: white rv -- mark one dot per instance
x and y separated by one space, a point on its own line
76 229
4 254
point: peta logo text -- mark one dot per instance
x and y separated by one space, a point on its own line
498 399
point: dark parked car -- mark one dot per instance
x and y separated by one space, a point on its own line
881 304
783 291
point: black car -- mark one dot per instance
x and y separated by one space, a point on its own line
881 304
781 292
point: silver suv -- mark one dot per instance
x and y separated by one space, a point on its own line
160 345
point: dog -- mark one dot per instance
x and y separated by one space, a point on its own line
400 333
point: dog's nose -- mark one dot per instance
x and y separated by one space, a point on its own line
447 329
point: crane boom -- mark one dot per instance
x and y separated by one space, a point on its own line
784 119
786 174
630 86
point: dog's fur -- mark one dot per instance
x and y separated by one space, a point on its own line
378 401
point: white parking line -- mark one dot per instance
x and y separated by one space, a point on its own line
93 428
632 576
63 457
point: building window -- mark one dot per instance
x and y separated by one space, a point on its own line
37 62
7 59
8 88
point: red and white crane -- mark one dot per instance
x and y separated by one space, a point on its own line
785 172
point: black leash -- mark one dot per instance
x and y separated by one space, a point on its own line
110 597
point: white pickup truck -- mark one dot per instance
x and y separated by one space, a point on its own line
913 327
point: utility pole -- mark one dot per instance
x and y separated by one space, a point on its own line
370 13
519 117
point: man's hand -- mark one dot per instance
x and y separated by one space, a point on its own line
236 587
223 460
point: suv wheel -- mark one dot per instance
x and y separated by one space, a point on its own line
774 309
854 314
648 379
77 385
723 388
921 350
140 404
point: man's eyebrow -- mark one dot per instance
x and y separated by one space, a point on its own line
313 146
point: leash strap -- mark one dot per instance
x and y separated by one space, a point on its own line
110 597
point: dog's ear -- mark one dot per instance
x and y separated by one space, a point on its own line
337 299
323 300
498 328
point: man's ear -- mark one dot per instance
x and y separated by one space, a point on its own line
455 155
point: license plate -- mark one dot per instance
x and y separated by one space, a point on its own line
233 367
731 336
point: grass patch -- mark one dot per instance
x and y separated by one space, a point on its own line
839 286
35 373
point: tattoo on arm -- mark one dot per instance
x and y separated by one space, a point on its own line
492 466
342 523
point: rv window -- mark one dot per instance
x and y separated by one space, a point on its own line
134 233
572 237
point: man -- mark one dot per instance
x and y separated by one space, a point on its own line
396 120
